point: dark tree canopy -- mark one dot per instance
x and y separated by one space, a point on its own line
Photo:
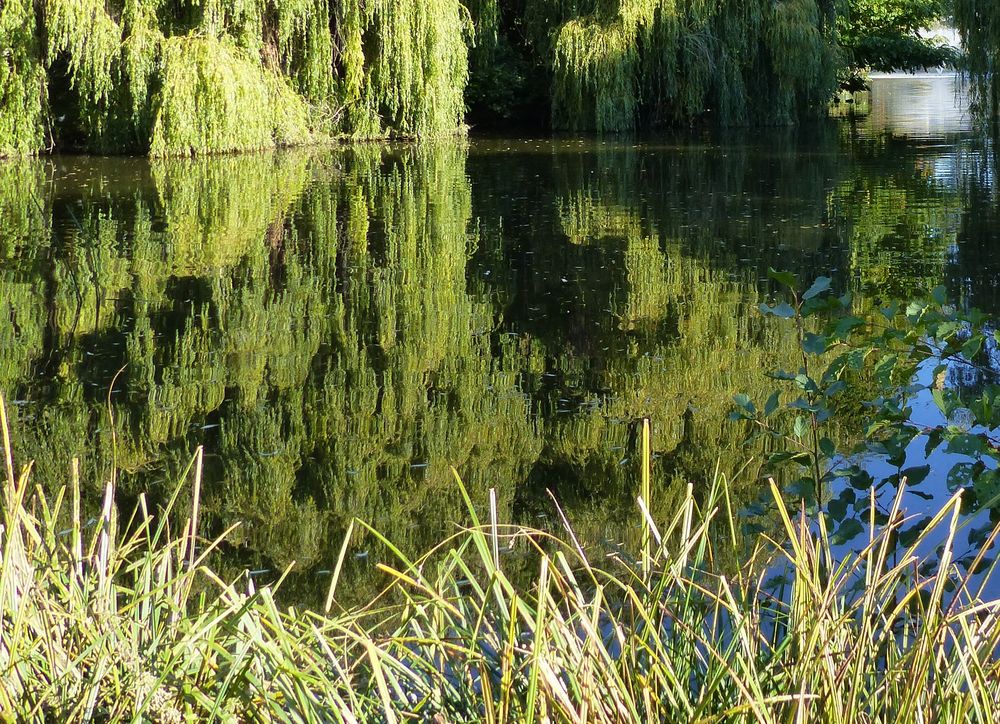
979 23
613 65
885 35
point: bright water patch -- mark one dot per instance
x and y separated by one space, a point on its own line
918 106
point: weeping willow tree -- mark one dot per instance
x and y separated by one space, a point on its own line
979 23
22 80
614 65
170 77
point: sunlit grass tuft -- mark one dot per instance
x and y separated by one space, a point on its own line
123 619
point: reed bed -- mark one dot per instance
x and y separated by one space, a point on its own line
123 620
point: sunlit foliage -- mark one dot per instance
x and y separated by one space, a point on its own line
177 78
619 65
22 81
652 58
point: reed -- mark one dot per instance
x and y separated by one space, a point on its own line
123 619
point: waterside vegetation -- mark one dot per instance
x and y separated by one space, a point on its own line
979 23
121 618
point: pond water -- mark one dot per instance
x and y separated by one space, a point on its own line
928 106
341 327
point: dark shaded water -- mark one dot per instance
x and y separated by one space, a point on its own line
339 328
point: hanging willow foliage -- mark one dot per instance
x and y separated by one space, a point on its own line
192 76
638 61
22 80
407 64
979 23
214 99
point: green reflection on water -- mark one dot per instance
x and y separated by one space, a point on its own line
339 329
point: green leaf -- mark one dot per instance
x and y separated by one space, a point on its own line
916 475
804 488
801 427
783 456
909 536
827 447
947 330
783 310
772 404
837 508
945 401
822 284
966 444
934 439
744 401
969 563
987 486
784 278
939 294
814 343
978 536
847 531
861 480
959 476
982 409
816 305
884 368
972 347
838 386
805 382
803 404
845 325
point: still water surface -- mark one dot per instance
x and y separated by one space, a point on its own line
339 328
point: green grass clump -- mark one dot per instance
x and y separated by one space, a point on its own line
123 619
